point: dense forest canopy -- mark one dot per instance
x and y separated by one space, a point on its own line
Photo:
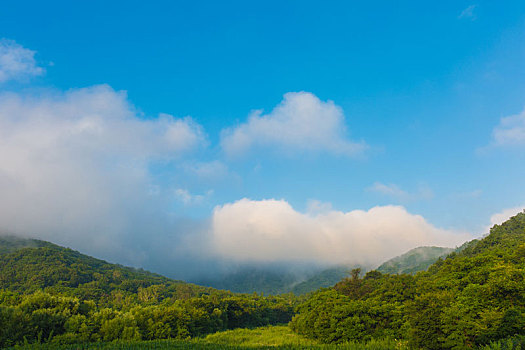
415 260
50 293
468 299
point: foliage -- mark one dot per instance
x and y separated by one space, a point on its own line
32 265
9 244
513 343
357 309
277 280
262 336
415 260
56 295
473 297
323 279
254 279
203 344
42 317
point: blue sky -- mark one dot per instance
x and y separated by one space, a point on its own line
409 104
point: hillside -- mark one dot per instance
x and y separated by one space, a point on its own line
28 265
468 299
53 294
283 280
277 280
9 244
252 279
415 260
323 279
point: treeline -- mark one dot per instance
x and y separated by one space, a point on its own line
41 317
53 294
38 265
471 298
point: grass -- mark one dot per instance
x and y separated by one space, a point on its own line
282 337
262 338
257 337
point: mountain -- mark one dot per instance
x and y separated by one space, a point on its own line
281 280
284 280
415 260
277 280
466 300
28 265
9 244
323 279
269 281
57 295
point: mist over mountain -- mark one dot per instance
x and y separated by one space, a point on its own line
415 260
302 279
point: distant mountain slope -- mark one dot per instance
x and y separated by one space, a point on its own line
254 279
9 244
472 297
324 279
90 300
276 281
415 260
27 265
283 280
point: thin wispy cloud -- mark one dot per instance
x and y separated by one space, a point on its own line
17 62
468 13
423 192
474 194
190 199
300 123
510 131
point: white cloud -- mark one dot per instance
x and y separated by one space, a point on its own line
504 215
300 123
17 62
391 190
271 230
510 131
74 169
468 12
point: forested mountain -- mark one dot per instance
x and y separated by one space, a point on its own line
53 294
323 279
470 298
254 279
9 244
415 260
28 265
284 280
277 281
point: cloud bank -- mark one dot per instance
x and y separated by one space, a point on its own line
17 62
300 123
271 230
75 169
